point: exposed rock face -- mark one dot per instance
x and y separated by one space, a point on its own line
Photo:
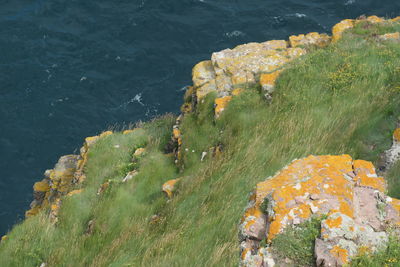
259 63
347 191
392 155
169 187
60 181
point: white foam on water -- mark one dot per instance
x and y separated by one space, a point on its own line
349 2
234 33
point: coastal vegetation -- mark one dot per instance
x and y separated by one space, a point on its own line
341 99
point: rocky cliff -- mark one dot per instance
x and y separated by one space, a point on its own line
252 110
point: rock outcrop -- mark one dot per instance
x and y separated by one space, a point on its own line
348 192
67 174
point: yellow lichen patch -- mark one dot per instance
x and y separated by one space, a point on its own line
334 222
4 238
245 252
312 38
390 36
268 79
42 186
74 192
202 73
363 167
106 133
396 19
322 175
339 28
340 253
346 209
396 135
296 40
176 133
221 103
237 91
169 187
90 141
375 19
139 152
377 183
128 131
252 211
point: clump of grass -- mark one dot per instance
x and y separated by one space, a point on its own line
297 242
388 257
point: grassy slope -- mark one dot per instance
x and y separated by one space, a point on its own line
342 99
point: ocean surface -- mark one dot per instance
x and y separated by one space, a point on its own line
72 68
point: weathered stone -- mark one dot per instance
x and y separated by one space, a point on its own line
130 176
220 104
347 191
169 187
339 28
395 36
392 155
267 82
75 192
139 152
312 38
42 186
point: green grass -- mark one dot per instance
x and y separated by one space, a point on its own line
341 99
388 257
297 243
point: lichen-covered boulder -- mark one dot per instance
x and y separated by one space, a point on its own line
61 180
347 191
312 38
169 187
340 27
395 36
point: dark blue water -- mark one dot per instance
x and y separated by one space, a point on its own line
71 68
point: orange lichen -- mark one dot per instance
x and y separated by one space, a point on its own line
74 192
268 79
176 133
396 135
377 183
139 152
290 190
339 28
346 209
396 19
106 133
363 167
340 253
312 38
244 253
169 187
128 131
334 222
390 36
375 19
221 103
